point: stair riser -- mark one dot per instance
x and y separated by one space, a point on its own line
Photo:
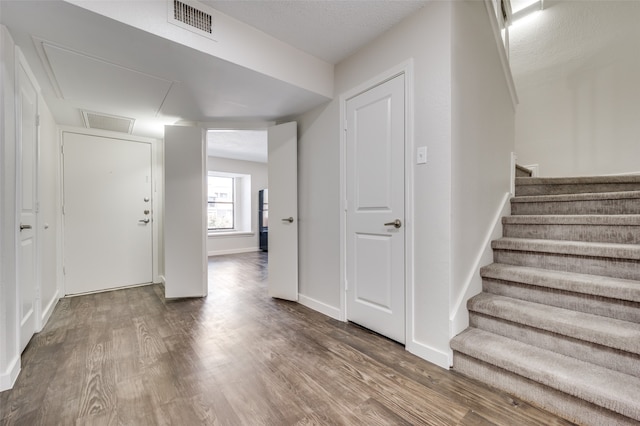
590 233
604 356
620 206
612 308
557 189
608 267
559 403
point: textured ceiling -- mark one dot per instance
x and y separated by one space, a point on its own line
328 29
570 35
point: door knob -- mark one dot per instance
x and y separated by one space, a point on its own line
24 227
144 221
289 219
396 223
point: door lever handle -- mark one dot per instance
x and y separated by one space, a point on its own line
24 227
396 223
144 221
288 219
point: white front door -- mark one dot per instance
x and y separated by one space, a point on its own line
27 193
107 211
375 246
283 211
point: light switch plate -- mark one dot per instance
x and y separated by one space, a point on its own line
422 155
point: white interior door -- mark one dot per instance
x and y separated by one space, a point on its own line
27 258
108 239
375 246
185 213
283 211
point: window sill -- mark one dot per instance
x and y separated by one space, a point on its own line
215 234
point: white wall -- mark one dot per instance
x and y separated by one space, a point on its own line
482 143
246 241
459 93
9 349
582 118
425 37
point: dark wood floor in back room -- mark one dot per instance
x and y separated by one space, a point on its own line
237 357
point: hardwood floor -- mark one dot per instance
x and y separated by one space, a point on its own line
236 357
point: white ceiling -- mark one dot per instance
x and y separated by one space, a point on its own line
84 61
247 145
327 29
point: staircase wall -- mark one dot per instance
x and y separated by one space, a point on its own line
482 135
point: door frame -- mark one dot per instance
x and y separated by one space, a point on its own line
405 68
157 199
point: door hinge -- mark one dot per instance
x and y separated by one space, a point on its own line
346 285
63 209
62 149
64 270
37 120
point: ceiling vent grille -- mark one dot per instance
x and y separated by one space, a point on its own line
113 123
192 18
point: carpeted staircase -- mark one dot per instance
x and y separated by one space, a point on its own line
558 321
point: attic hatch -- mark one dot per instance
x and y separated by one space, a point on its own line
191 16
113 123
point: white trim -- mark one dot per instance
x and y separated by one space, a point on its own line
504 59
229 234
405 68
432 355
459 317
8 378
48 310
232 251
323 308
512 176
535 169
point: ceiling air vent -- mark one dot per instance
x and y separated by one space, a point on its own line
113 123
192 17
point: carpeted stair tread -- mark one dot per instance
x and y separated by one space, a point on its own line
598 220
595 285
612 390
622 335
589 196
574 185
576 248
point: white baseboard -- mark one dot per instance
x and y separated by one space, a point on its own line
323 308
232 251
48 310
8 378
432 355
459 317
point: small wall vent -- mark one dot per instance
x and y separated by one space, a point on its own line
191 16
113 123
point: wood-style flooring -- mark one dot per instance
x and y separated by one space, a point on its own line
236 357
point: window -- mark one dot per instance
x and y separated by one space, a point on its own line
221 203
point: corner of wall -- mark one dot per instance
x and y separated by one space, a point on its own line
459 319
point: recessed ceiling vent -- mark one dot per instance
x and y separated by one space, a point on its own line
113 123
191 16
